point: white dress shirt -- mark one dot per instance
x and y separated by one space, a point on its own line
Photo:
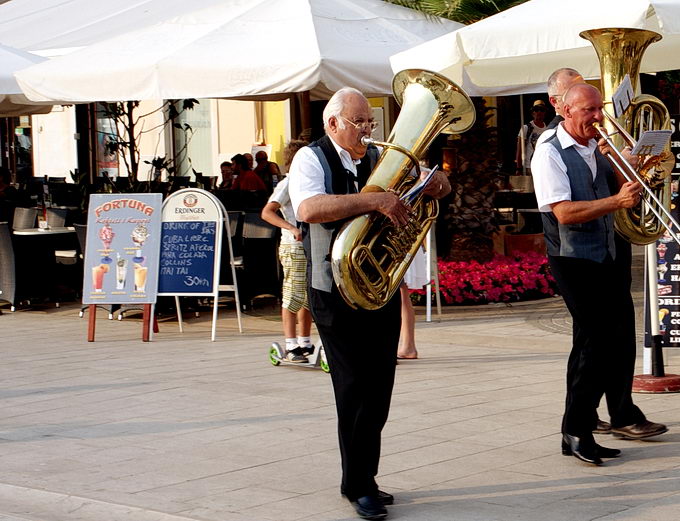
551 182
282 198
307 177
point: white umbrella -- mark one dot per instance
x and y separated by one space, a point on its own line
57 27
516 50
12 100
241 49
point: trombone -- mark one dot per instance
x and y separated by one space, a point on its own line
631 174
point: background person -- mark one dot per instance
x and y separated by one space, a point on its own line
572 180
558 82
528 135
415 278
294 303
244 178
227 173
361 346
267 170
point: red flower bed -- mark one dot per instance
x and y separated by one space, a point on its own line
522 276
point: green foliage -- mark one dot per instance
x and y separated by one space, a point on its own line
470 218
129 129
463 11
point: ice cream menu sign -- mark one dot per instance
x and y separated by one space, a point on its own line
122 250
668 263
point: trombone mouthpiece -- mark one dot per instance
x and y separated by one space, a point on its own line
366 140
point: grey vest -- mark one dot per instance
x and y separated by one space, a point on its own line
318 238
591 240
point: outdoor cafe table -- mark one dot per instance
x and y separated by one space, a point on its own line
37 272
45 231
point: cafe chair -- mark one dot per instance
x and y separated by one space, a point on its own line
24 218
226 262
56 217
261 269
7 272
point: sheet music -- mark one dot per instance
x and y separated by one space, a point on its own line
622 97
652 142
416 189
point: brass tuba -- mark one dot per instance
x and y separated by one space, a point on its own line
620 52
370 255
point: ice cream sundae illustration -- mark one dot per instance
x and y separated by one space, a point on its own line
662 268
106 235
139 235
661 250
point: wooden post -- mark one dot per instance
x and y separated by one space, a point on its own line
145 322
91 321
305 111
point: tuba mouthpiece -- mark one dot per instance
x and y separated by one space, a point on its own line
367 140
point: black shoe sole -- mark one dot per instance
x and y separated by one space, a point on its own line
566 451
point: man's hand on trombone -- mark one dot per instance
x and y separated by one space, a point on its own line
629 194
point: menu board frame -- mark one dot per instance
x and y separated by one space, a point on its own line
122 248
194 207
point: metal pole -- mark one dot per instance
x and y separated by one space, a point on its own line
652 359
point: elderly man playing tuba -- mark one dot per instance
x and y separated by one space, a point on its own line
325 182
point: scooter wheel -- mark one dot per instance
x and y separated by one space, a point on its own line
274 356
323 363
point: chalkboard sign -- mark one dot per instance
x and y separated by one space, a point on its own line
187 257
191 250
190 238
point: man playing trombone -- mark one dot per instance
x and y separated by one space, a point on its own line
573 183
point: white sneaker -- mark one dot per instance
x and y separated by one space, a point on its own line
296 355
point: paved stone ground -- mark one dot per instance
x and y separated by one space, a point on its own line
186 429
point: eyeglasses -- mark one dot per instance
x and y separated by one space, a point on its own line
369 125
538 109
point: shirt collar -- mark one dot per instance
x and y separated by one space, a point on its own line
567 141
344 155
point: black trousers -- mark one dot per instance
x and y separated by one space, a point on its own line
602 358
361 347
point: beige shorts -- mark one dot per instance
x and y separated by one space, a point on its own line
294 291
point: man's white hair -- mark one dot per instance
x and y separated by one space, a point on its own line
560 79
336 105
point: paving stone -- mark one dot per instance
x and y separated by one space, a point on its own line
184 429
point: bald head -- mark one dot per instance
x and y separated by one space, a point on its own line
578 91
582 108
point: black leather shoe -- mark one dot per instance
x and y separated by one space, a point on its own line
638 431
370 507
387 499
602 452
585 450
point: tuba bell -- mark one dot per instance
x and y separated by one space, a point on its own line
620 52
370 255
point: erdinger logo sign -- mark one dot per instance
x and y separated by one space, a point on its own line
189 201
